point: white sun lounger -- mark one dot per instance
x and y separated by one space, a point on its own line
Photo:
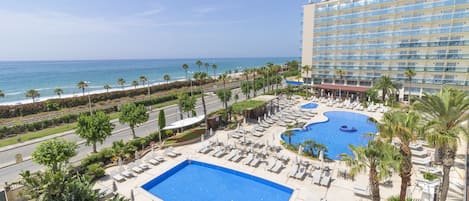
118 178
255 162
143 166
136 168
219 153
232 154
236 157
278 166
171 153
205 149
153 161
422 161
271 164
326 180
294 170
258 128
415 145
317 177
420 153
301 172
257 134
249 159
127 174
362 191
236 135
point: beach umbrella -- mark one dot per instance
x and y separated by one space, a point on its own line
321 157
237 127
119 163
227 136
132 196
114 186
137 156
244 120
269 113
300 150
265 116
244 137
258 119
211 132
201 138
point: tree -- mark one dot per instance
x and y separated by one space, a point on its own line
134 84
225 77
161 121
403 126
107 87
224 95
122 149
372 94
54 153
253 73
143 79
214 68
58 91
306 69
82 85
310 146
201 78
206 67
340 73
378 157
245 89
386 85
246 73
121 82
289 134
236 97
187 103
2 95
32 94
166 78
94 128
134 115
185 67
409 73
198 63
444 115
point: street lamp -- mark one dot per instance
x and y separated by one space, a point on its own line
89 97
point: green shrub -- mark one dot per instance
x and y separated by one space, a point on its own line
95 170
396 198
430 176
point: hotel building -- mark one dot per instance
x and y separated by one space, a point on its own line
370 38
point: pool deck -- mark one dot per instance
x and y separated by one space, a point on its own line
304 190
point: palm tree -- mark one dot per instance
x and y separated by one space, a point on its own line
224 77
121 82
403 126
185 67
2 95
253 73
200 77
166 78
386 85
409 73
134 83
310 145
82 85
340 73
143 79
32 94
198 63
306 69
275 71
58 91
107 87
377 157
444 115
246 73
214 68
206 67
289 134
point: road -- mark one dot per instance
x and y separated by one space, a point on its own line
11 173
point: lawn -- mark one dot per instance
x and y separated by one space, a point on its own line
38 134
239 107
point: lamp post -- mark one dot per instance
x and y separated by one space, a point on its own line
89 98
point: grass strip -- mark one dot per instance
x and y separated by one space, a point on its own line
37 134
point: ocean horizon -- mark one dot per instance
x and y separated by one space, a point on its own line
17 77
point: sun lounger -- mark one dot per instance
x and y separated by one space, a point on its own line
232 154
236 135
127 174
236 157
326 180
105 193
271 164
419 153
294 170
301 172
218 152
317 177
432 170
284 158
362 191
159 159
258 128
118 178
278 166
415 146
136 169
422 161
153 161
269 121
170 153
205 149
255 162
249 159
143 166
257 134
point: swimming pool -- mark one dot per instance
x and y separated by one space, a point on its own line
309 106
197 181
330 134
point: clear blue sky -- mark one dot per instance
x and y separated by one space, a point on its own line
118 29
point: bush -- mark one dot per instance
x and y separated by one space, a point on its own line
430 176
95 170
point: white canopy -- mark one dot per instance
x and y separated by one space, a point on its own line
185 122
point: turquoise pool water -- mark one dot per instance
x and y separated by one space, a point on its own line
329 133
309 106
197 181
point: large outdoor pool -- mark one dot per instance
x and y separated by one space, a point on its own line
340 130
197 181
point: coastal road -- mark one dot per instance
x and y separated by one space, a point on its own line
11 173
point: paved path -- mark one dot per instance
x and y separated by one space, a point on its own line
9 171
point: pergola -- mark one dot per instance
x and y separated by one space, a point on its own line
341 90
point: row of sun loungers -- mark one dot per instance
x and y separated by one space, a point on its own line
135 168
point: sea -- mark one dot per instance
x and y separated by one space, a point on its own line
17 77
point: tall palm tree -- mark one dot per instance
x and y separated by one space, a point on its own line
107 87
166 78
276 71
58 91
224 77
377 157
405 127
246 73
444 115
134 83
386 85
199 64
214 68
253 73
201 77
289 134
32 94
340 73
2 95
185 67
206 67
409 73
143 79
82 85
121 82
306 69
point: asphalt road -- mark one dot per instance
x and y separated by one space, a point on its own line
11 173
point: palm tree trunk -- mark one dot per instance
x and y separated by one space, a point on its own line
133 132
254 85
83 90
384 95
448 162
405 171
410 88
180 109
205 110
374 184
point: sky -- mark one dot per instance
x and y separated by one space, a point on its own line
142 29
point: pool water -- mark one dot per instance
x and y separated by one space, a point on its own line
329 133
197 181
309 106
